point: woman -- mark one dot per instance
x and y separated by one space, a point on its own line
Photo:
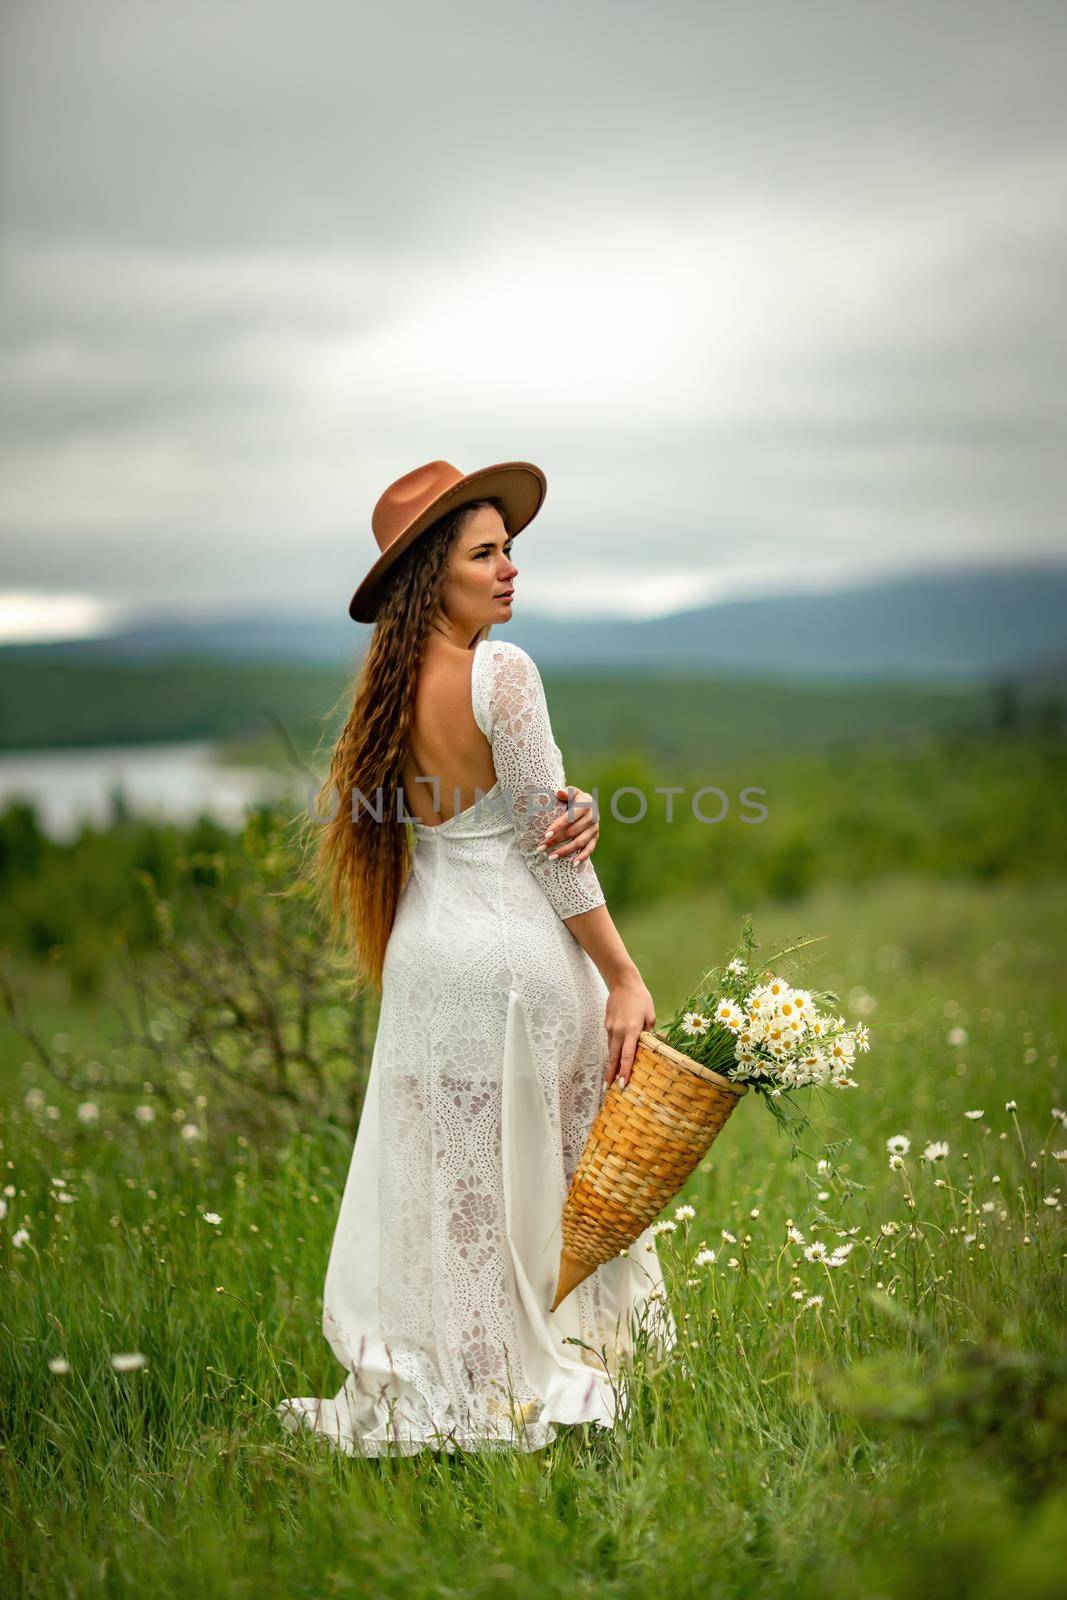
508 1004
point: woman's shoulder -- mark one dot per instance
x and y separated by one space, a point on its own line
506 650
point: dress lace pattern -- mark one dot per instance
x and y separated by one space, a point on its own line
486 1074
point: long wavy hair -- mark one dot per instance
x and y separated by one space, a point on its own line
360 865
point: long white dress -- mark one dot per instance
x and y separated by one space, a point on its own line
486 1074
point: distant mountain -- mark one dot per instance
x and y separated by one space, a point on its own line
963 624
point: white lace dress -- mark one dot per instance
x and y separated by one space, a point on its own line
486 1074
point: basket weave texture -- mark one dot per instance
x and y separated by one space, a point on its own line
645 1141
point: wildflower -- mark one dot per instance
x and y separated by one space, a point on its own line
212 1217
889 1228
694 1023
812 1300
895 1162
957 1036
798 1294
145 1113
666 1226
822 1165
190 1131
34 1099
733 1262
88 1111
684 1212
935 1150
66 1199
1009 1105
704 1258
128 1361
974 1115
737 967
816 1250
898 1144
989 1205
3 1209
730 1015
794 1234
862 1035
1053 1201
840 1254
728 1236
1059 1155
59 1364
20 1237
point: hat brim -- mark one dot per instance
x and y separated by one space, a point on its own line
519 484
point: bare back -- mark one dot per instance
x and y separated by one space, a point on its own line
446 743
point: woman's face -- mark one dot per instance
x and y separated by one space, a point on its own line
480 576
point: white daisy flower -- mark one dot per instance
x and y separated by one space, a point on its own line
1059 1155
816 1251
729 1237
898 1144
895 1163
794 1234
1053 1201
88 1111
957 1036
730 1015
704 1258
737 967
684 1212
1009 1105
840 1254
20 1237
862 1035
145 1113
190 1131
59 1364
974 1115
128 1361
812 1300
693 1023
936 1150
212 1217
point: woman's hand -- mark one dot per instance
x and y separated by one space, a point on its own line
628 1013
574 835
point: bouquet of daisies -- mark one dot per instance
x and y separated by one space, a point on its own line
743 1027
746 1022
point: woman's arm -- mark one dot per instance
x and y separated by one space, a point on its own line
630 1008
529 767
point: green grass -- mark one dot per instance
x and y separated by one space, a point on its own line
842 1450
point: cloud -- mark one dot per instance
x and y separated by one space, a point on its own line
764 292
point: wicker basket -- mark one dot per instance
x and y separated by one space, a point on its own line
644 1142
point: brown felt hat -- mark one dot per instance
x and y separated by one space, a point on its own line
411 504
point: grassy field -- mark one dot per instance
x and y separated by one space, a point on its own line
892 1426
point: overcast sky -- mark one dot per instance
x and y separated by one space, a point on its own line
773 293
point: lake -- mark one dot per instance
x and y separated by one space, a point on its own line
175 781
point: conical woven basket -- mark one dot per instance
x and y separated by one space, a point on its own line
645 1141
